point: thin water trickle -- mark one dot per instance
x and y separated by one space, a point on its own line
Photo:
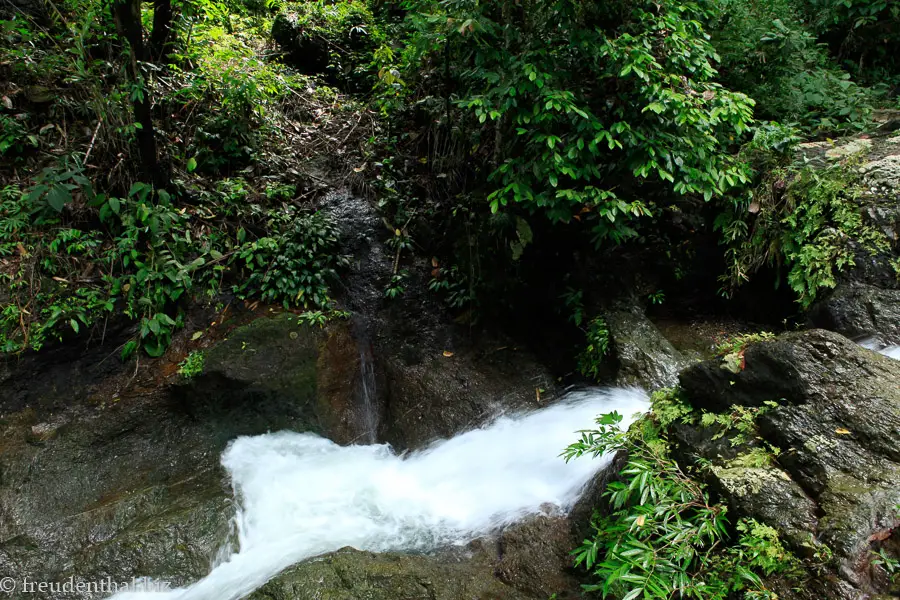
301 495
367 393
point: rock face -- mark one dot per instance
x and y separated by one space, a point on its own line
111 473
858 310
434 396
837 478
865 302
645 358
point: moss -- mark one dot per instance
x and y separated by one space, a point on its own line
745 481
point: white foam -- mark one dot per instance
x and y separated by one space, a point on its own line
878 346
301 495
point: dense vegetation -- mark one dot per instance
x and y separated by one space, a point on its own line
146 146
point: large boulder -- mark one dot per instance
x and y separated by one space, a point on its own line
644 356
858 310
436 390
350 574
108 471
836 480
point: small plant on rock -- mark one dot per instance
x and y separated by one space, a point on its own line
192 365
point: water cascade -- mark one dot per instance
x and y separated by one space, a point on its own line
300 495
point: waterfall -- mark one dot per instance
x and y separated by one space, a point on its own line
300 495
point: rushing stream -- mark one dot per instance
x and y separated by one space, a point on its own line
878 346
301 495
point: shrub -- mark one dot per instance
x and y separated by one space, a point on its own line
663 537
590 359
296 267
768 52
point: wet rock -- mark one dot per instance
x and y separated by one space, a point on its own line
277 373
645 358
837 426
770 496
432 395
858 311
349 574
861 305
535 556
116 477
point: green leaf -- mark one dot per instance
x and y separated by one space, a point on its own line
154 348
128 349
58 197
191 165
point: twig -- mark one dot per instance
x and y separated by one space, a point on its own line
87 154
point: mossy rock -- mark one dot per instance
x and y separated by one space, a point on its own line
349 574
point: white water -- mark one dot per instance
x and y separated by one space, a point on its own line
892 351
878 346
302 495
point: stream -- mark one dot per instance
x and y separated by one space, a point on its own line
301 495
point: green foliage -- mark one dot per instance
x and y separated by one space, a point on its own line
810 222
238 91
590 359
669 407
769 53
663 538
574 303
296 267
15 138
737 343
890 564
456 289
192 365
338 39
568 115
145 261
396 287
865 35
741 419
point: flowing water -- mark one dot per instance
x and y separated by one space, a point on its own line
301 495
878 346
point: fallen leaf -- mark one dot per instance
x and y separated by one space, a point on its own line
7 103
640 520
197 335
447 353
842 431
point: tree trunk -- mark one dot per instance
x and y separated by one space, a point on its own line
160 42
127 15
